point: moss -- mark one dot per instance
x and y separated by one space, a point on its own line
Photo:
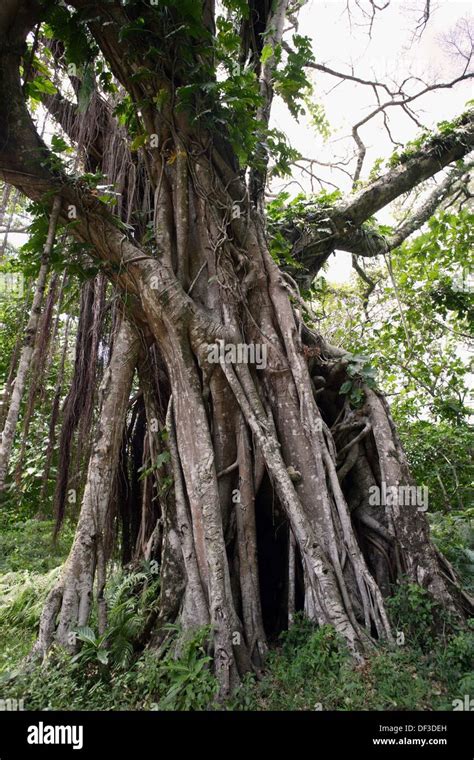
427 142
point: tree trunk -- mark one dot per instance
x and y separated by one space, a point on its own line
68 605
9 223
27 351
48 457
37 371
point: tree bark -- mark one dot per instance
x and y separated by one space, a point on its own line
69 603
11 420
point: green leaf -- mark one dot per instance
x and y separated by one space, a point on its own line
86 634
162 458
345 387
59 145
103 656
138 142
87 88
39 87
266 54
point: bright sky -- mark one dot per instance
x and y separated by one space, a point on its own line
390 54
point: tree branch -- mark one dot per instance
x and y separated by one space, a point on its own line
343 222
438 152
369 243
416 220
273 35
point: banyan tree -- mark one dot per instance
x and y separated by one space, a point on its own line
219 411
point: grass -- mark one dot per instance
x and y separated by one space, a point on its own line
29 565
311 669
308 669
28 545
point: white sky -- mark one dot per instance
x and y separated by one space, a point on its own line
390 54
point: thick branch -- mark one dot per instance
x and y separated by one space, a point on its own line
366 242
428 161
421 215
342 222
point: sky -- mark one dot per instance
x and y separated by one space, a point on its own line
391 53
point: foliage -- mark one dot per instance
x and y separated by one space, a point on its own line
130 599
415 614
414 336
27 546
428 141
150 683
360 372
309 669
22 594
408 338
312 670
107 671
291 82
454 535
184 682
440 457
14 296
288 218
